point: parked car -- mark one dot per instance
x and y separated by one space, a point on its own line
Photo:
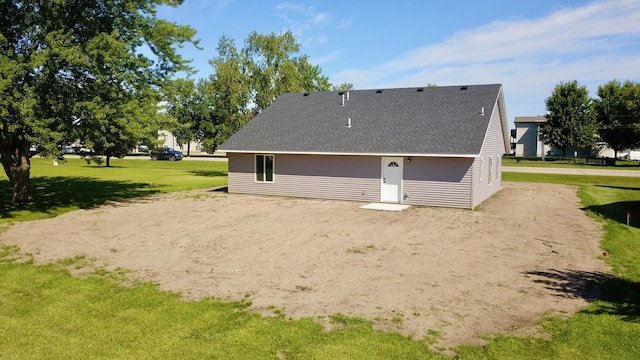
166 154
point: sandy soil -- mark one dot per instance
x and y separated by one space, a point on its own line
527 251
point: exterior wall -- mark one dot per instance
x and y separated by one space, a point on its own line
426 181
487 167
527 143
355 178
438 182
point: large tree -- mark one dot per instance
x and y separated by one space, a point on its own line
229 89
87 68
345 86
273 68
191 104
618 113
570 118
246 81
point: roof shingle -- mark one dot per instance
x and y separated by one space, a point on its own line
437 120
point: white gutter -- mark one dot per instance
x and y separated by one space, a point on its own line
350 153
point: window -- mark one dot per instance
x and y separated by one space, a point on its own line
490 170
264 168
393 164
480 168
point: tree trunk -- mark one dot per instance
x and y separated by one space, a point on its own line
188 148
108 160
17 166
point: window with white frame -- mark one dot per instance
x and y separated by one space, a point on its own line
264 168
490 169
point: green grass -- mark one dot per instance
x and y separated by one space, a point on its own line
75 185
47 313
567 163
610 327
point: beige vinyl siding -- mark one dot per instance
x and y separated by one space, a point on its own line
493 147
438 182
354 178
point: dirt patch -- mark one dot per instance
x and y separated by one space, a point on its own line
527 251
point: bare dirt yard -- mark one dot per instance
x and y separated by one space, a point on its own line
528 251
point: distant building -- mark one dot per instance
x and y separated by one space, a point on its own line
526 141
169 140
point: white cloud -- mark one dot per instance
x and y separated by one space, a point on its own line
592 44
333 55
346 23
303 20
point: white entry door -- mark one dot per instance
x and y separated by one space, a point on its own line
391 187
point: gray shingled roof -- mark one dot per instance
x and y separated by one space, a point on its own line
435 120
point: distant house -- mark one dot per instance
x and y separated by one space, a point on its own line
528 143
527 136
170 141
434 146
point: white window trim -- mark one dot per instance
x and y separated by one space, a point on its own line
490 167
255 174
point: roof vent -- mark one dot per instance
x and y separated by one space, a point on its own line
482 111
420 89
348 123
305 94
341 93
463 88
379 91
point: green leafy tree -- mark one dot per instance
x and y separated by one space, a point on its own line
184 107
273 69
570 118
246 81
112 125
345 86
229 90
618 114
84 68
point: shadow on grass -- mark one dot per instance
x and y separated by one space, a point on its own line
617 211
58 192
208 173
619 296
570 284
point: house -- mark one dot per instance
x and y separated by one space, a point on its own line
434 146
169 141
527 136
528 143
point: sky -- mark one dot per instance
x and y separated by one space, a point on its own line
527 46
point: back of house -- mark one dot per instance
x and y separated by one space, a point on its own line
434 146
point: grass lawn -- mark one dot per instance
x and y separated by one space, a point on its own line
74 184
610 327
579 163
47 313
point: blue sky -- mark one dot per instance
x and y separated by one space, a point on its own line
528 46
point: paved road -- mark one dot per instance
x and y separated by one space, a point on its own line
571 171
189 158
